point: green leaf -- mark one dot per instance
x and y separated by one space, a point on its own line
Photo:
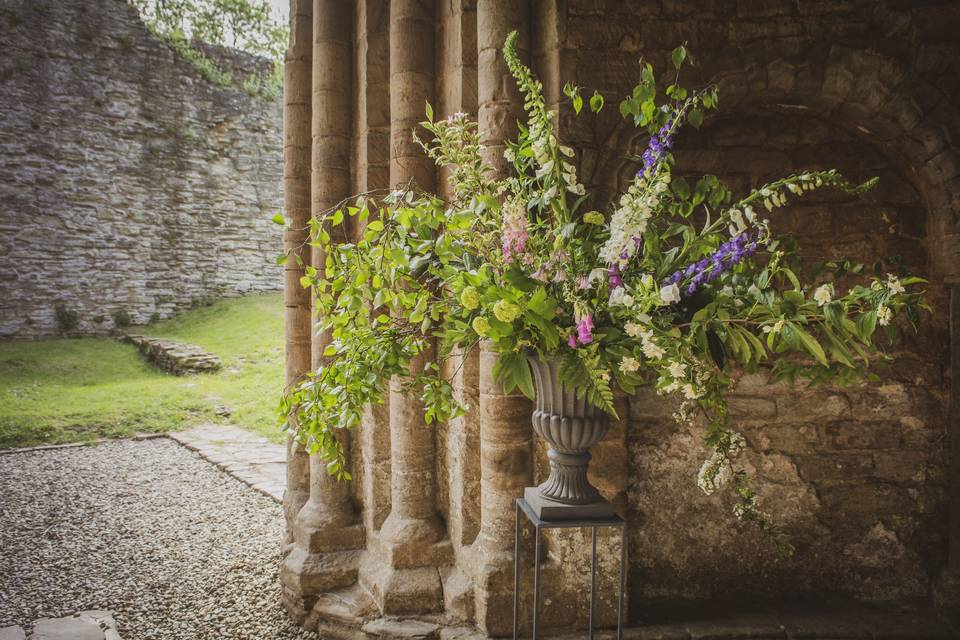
279 219
797 337
678 56
596 102
866 324
577 103
695 118
429 111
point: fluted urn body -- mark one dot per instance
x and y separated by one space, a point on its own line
571 426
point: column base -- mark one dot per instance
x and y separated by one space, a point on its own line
304 576
413 543
401 591
318 532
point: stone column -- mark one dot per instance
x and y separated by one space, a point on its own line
401 571
499 102
506 467
326 532
506 434
296 205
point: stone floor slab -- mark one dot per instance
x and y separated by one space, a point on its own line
72 628
12 633
250 458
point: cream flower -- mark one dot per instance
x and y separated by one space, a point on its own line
894 284
678 370
652 350
670 293
823 294
633 329
629 364
884 315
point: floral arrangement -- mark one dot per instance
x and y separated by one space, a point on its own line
671 288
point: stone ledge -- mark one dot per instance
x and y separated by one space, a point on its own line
862 624
178 358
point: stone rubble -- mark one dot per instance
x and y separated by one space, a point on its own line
178 358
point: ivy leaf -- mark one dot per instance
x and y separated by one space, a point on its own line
596 102
695 118
678 56
577 103
279 219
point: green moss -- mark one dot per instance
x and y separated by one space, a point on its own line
57 391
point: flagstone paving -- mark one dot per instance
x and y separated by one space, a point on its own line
251 458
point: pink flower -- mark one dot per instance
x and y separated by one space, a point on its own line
514 230
572 341
585 329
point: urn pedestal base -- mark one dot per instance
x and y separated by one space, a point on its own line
547 509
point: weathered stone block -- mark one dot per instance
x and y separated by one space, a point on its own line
862 435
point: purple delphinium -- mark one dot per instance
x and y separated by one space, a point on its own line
613 275
657 148
712 267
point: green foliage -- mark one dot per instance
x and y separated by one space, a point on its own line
67 319
246 25
121 318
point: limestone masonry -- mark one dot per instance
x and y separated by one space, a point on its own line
130 187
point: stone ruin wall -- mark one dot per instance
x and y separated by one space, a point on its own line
128 183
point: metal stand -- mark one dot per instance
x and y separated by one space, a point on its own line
538 524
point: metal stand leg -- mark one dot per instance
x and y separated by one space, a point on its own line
536 579
593 525
593 580
623 580
516 572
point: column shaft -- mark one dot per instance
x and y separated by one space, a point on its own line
325 533
506 434
500 105
296 204
401 574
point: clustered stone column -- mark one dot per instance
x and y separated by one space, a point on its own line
506 434
400 571
364 71
296 194
326 534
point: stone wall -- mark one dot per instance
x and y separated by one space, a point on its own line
129 185
856 475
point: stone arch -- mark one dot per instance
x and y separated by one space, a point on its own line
887 110
868 93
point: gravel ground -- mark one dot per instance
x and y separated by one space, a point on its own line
170 544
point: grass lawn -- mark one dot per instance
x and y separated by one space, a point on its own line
68 390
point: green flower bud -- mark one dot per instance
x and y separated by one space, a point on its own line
481 325
593 217
506 311
469 298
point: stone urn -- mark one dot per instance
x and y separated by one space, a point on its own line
570 426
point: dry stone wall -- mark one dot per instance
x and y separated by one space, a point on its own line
130 187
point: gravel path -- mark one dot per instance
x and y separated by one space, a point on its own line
170 544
